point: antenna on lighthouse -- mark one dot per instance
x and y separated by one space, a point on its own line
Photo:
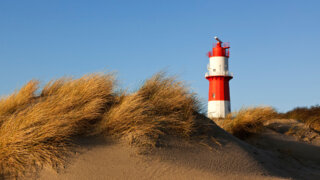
218 39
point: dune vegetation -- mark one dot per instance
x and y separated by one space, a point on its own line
162 106
247 121
37 127
309 116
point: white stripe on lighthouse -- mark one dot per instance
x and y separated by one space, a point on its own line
218 109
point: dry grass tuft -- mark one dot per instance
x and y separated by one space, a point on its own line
247 121
162 106
36 129
18 100
309 116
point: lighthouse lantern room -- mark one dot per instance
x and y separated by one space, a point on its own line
219 76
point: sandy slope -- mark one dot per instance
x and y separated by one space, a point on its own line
198 158
184 161
297 129
299 153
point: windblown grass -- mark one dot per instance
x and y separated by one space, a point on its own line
35 130
162 106
18 100
37 126
247 121
309 116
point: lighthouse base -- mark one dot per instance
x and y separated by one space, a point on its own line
218 109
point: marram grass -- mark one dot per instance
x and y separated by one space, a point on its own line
37 126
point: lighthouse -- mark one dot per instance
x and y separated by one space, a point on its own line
219 76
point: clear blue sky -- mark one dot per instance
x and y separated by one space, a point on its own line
275 45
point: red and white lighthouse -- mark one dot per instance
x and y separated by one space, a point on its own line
219 76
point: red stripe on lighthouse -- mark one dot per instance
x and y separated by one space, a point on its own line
219 88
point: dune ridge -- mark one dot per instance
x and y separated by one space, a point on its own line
88 128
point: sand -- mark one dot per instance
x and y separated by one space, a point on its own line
271 155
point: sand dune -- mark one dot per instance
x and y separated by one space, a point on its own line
120 162
85 129
196 158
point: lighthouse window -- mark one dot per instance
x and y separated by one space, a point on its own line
214 70
213 95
